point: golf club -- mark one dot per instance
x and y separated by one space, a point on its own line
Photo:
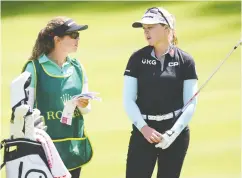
203 85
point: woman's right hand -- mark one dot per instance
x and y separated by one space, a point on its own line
151 135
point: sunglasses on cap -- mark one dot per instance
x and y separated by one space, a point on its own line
73 35
156 10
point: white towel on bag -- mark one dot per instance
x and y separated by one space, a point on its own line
56 165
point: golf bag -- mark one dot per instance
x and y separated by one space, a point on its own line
24 158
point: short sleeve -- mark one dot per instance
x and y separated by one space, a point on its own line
132 67
85 79
30 68
189 69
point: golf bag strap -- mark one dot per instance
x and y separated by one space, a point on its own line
1 146
2 165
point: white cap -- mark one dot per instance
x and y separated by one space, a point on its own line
156 15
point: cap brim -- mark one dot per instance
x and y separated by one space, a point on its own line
77 28
139 24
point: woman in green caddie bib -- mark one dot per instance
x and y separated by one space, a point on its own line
55 79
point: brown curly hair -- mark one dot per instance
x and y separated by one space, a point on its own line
44 43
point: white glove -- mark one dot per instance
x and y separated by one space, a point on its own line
29 122
32 122
39 120
167 139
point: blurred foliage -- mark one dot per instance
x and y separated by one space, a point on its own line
20 8
14 8
221 8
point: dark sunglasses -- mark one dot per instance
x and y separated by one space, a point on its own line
73 35
156 10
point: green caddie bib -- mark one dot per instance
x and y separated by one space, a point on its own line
52 92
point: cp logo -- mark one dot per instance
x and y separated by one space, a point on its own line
170 64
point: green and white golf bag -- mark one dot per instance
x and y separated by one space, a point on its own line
23 157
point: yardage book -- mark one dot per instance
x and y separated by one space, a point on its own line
70 106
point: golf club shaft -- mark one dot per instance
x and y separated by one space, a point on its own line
203 85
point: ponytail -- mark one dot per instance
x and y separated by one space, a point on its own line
174 38
43 45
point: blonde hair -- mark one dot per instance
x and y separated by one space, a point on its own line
44 43
174 36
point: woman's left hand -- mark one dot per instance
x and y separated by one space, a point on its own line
82 102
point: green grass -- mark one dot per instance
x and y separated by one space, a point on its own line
207 30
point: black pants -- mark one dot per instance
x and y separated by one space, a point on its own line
75 173
142 156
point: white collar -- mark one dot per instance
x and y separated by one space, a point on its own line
153 53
